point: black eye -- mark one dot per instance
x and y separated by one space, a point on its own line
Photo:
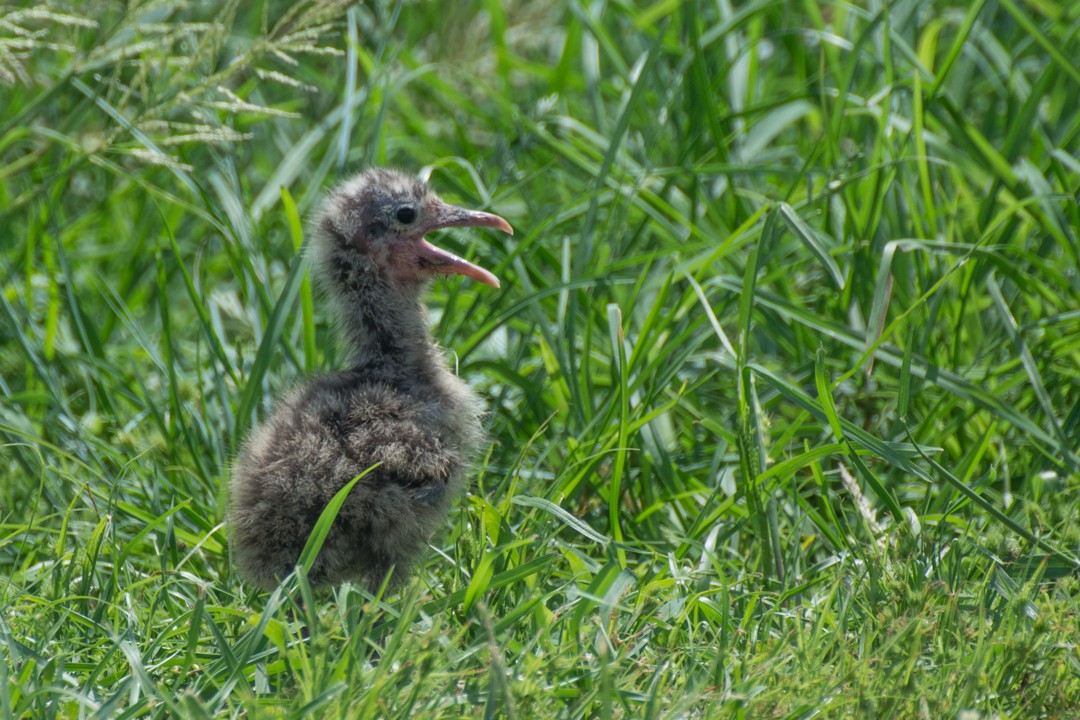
406 215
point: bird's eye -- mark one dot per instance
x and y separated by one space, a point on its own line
406 215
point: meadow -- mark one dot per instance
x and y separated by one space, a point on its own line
783 377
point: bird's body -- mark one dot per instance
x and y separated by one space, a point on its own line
395 404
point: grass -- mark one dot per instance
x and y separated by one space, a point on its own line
783 374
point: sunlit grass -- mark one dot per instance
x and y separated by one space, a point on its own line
783 374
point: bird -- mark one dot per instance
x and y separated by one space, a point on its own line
394 403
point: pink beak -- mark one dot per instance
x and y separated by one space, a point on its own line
442 215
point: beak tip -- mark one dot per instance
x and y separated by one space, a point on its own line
488 278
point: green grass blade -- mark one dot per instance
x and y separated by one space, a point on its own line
326 521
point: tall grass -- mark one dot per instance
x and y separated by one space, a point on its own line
783 374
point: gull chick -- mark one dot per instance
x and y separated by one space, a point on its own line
395 403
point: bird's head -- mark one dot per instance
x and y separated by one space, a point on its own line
383 215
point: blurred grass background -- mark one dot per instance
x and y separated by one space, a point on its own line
784 375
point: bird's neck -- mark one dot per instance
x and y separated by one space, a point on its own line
384 324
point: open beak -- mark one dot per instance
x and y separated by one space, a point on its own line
442 215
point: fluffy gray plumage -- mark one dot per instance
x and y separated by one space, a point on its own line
395 403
